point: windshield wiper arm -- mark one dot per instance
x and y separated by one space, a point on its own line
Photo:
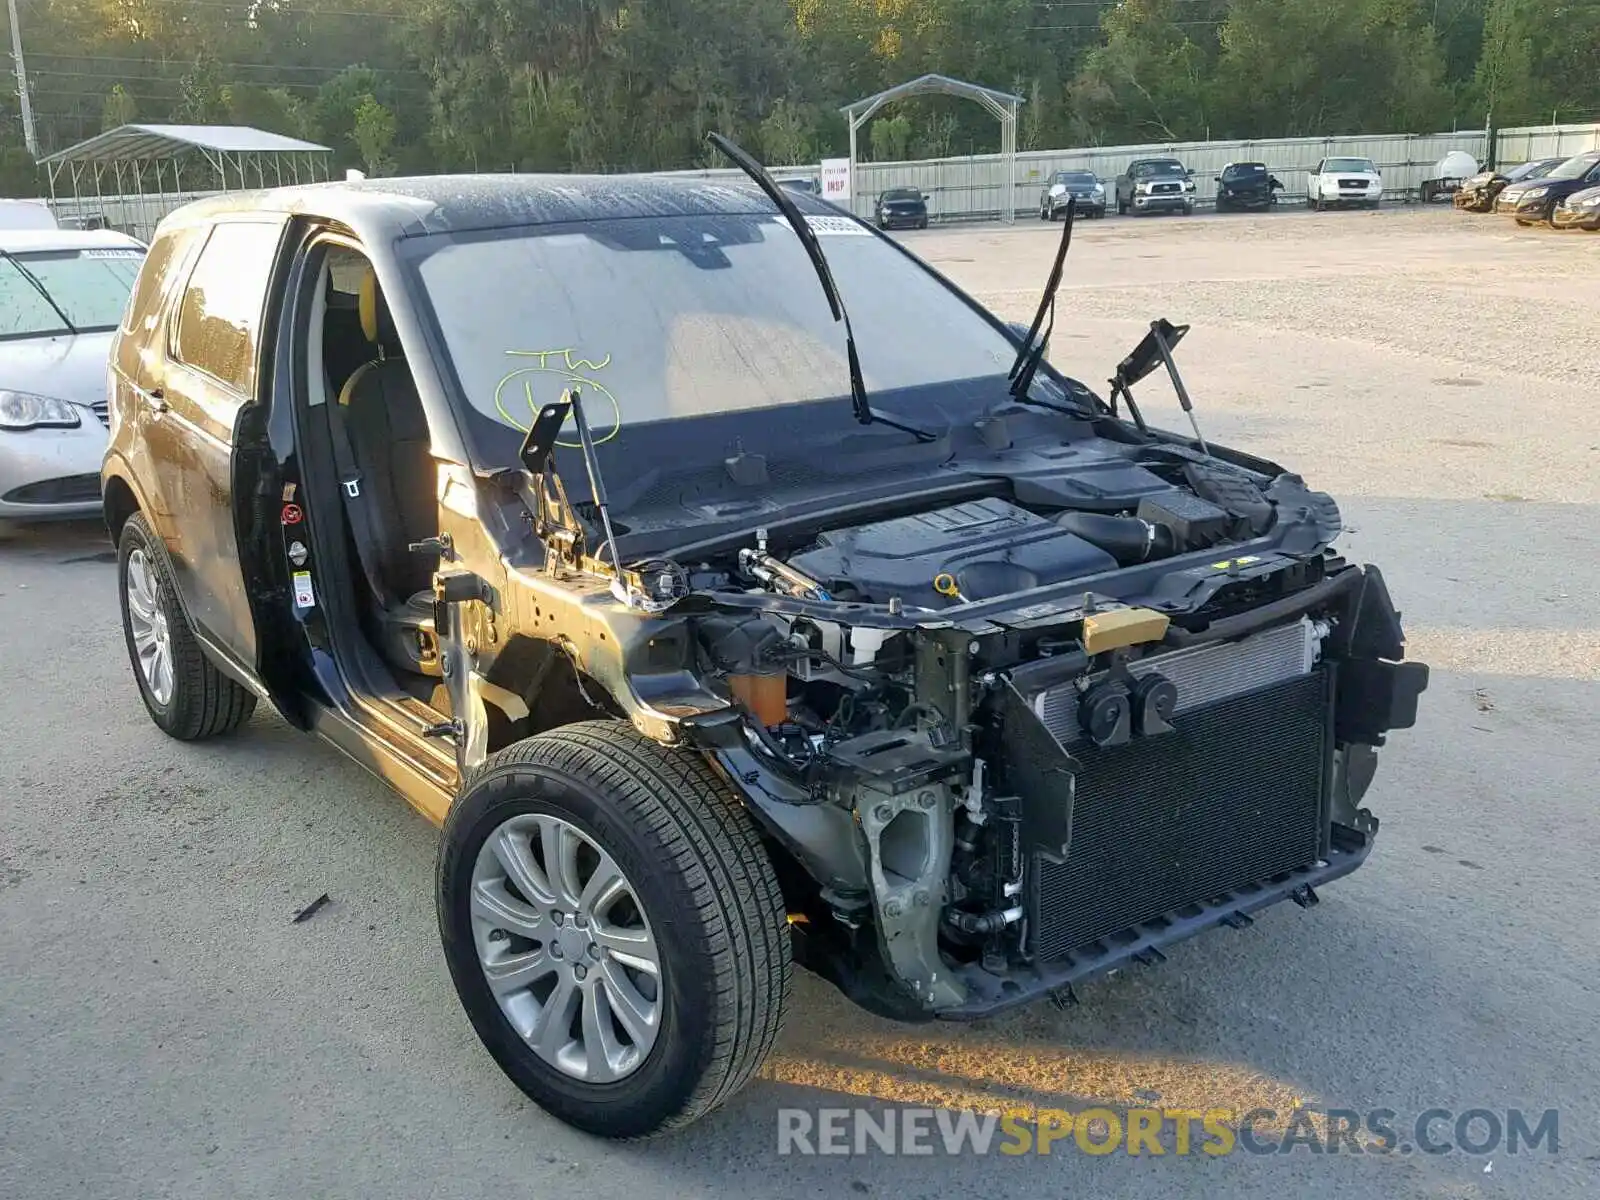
39 287
1031 353
808 239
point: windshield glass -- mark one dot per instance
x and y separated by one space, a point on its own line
1575 168
83 290
1145 170
1077 178
1348 164
902 194
1244 170
658 318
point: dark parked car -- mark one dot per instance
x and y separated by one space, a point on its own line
563 505
1246 186
1581 210
1155 185
1478 193
902 208
1083 186
1536 199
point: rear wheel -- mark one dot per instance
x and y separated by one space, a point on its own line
614 928
185 694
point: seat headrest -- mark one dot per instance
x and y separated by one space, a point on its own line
377 326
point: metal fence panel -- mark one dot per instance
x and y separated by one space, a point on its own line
1545 141
974 187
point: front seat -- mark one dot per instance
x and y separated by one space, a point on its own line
389 478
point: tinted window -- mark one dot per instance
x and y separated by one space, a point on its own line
1576 167
902 194
220 316
1150 169
1085 178
1244 171
1348 164
59 291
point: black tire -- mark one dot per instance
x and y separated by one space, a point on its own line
683 838
1311 202
1122 207
204 702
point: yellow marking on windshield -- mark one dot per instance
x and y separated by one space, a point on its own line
566 368
567 361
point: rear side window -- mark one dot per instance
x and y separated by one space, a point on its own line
219 319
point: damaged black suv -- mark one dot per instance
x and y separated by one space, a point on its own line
721 635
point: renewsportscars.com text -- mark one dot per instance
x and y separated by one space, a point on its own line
1160 1131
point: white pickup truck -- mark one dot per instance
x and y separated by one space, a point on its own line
1337 181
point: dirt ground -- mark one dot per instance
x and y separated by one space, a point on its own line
165 1031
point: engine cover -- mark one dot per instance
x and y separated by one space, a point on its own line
990 547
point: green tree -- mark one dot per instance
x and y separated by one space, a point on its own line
1148 81
785 135
1306 67
373 133
120 108
1538 61
890 137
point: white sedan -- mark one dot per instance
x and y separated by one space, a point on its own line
62 294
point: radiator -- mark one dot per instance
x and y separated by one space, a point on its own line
1235 796
1204 674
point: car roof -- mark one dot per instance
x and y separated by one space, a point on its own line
444 203
25 241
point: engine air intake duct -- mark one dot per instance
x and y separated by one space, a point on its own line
1127 539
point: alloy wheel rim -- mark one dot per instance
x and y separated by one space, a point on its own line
147 622
566 949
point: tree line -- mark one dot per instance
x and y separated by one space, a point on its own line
607 85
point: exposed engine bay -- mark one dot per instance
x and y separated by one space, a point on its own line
1016 701
1009 740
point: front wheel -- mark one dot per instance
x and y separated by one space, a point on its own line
184 693
614 928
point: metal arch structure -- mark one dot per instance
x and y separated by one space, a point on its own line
1004 106
142 172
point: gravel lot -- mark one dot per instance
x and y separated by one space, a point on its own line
165 1031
